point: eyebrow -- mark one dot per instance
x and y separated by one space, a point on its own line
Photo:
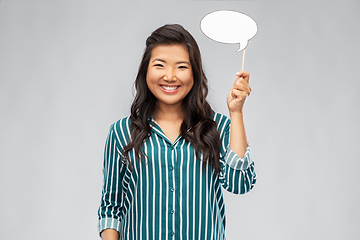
161 60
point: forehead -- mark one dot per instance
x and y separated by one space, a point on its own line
174 51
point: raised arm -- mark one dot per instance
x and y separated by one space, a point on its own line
235 101
238 173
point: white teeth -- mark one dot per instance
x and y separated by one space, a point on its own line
170 88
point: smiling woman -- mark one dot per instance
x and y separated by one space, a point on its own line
165 164
170 79
169 76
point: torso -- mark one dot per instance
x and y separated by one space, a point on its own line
172 178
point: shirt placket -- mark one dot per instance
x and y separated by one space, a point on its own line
172 190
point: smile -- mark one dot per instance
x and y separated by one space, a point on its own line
170 88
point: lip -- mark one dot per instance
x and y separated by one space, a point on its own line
169 91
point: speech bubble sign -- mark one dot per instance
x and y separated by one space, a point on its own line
229 27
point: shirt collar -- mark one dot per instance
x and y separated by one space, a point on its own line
156 129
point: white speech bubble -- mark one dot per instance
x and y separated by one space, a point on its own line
229 27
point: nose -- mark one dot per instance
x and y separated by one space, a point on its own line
170 75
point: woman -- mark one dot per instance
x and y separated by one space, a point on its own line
165 164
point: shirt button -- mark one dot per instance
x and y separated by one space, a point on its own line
172 189
172 233
171 167
172 211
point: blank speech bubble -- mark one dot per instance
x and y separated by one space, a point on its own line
229 27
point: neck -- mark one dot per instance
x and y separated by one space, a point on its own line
168 112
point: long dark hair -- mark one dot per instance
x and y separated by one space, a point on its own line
203 134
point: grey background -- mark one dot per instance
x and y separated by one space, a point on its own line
66 73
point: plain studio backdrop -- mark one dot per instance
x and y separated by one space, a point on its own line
66 74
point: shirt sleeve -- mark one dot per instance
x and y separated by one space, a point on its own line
110 210
237 174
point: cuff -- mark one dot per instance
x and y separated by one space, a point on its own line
236 162
106 223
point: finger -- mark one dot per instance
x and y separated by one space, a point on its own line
238 94
246 85
243 74
241 84
243 89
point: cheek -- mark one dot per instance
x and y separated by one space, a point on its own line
187 78
149 83
150 79
153 76
191 81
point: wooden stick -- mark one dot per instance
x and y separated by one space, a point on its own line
243 61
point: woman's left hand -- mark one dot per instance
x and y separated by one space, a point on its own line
239 92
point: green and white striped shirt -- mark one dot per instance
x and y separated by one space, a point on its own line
169 196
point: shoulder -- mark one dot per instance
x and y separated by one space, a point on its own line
120 130
122 123
222 121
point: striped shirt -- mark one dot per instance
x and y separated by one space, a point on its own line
169 196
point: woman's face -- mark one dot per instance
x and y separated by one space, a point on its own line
169 76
